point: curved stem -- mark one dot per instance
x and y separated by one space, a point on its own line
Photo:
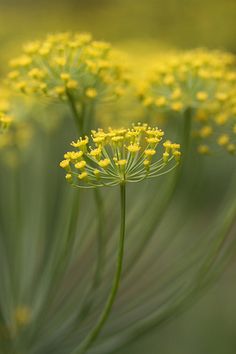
153 223
91 337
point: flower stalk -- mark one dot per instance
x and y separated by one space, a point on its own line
77 117
91 337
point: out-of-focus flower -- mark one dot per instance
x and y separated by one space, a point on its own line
216 129
200 80
118 156
67 64
5 115
15 140
5 121
22 316
197 79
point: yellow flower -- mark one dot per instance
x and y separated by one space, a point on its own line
91 93
65 164
126 160
206 131
72 84
122 162
133 148
202 96
161 101
80 164
83 175
60 90
150 152
177 75
199 85
177 106
203 149
50 61
223 140
104 163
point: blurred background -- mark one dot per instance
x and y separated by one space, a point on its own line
142 27
179 23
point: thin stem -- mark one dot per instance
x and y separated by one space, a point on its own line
100 245
100 255
81 121
91 337
187 128
153 224
78 118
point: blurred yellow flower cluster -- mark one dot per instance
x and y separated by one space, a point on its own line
196 79
65 64
80 71
15 140
215 129
118 156
201 80
5 117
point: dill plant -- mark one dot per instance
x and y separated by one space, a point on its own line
120 156
81 73
197 88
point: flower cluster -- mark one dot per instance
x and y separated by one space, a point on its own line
5 121
14 141
118 156
5 117
69 64
200 80
215 131
196 78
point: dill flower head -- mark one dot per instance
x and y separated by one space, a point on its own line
69 64
215 132
118 156
203 82
216 129
192 79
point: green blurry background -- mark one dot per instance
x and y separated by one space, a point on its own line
182 23
141 26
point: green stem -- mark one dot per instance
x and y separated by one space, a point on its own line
187 128
100 255
91 337
153 224
78 118
100 245
81 122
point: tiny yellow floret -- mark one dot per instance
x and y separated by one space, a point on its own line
149 152
80 164
133 148
202 96
223 140
91 93
83 175
104 163
65 164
